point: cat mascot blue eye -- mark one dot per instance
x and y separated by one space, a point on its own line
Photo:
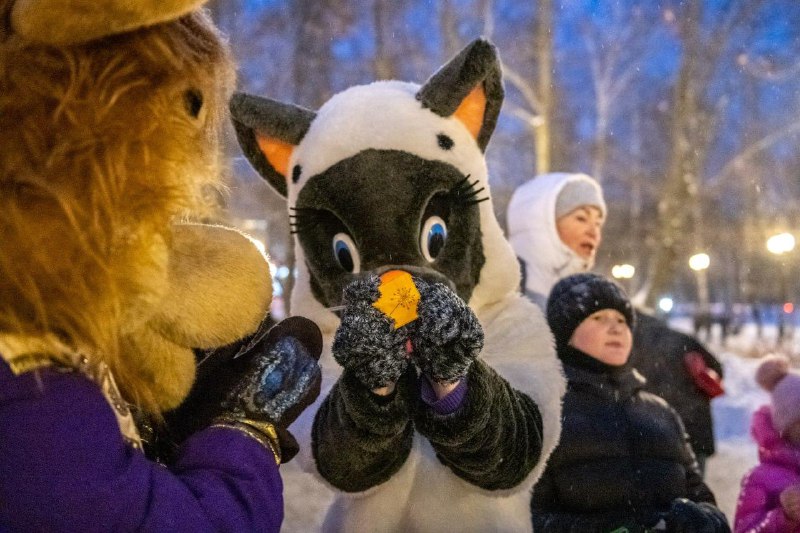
346 253
433 238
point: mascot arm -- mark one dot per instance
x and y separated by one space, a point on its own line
494 440
64 465
360 440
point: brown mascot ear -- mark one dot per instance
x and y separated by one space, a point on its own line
268 132
65 22
469 87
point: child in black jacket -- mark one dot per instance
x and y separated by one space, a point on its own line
623 461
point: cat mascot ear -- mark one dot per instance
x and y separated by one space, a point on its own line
468 87
268 131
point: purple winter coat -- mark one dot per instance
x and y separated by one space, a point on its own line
65 467
758 509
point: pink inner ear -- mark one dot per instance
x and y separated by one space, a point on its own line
277 153
470 111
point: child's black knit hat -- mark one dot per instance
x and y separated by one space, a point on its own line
576 297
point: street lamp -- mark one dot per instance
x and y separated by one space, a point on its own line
624 271
781 244
699 263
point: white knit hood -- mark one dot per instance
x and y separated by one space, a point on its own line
534 236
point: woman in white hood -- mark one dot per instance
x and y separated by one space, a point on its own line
554 224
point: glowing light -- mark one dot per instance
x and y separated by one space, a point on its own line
666 304
699 262
788 307
780 243
624 271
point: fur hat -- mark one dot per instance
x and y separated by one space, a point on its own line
577 193
775 376
576 297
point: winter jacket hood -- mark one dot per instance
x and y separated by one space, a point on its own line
534 236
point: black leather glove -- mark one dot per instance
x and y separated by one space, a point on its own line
447 336
686 516
283 379
367 342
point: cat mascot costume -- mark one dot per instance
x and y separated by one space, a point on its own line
110 112
443 423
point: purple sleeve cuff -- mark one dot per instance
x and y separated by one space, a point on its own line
447 405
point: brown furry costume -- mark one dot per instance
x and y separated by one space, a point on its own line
110 111
106 145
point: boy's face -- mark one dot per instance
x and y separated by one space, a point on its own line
605 336
581 230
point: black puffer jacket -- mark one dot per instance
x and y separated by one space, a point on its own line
622 461
658 353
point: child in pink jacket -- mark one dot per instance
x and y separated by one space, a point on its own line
770 497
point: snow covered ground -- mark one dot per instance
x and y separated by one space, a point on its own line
736 452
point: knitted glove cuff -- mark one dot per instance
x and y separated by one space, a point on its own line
476 410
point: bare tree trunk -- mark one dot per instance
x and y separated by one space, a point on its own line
543 36
680 187
636 241
313 60
448 24
383 64
485 9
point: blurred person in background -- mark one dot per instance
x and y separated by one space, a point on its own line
770 497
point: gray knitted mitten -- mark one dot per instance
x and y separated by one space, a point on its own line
367 342
447 337
281 382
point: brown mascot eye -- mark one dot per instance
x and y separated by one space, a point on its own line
194 102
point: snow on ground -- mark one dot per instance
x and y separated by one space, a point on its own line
736 451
